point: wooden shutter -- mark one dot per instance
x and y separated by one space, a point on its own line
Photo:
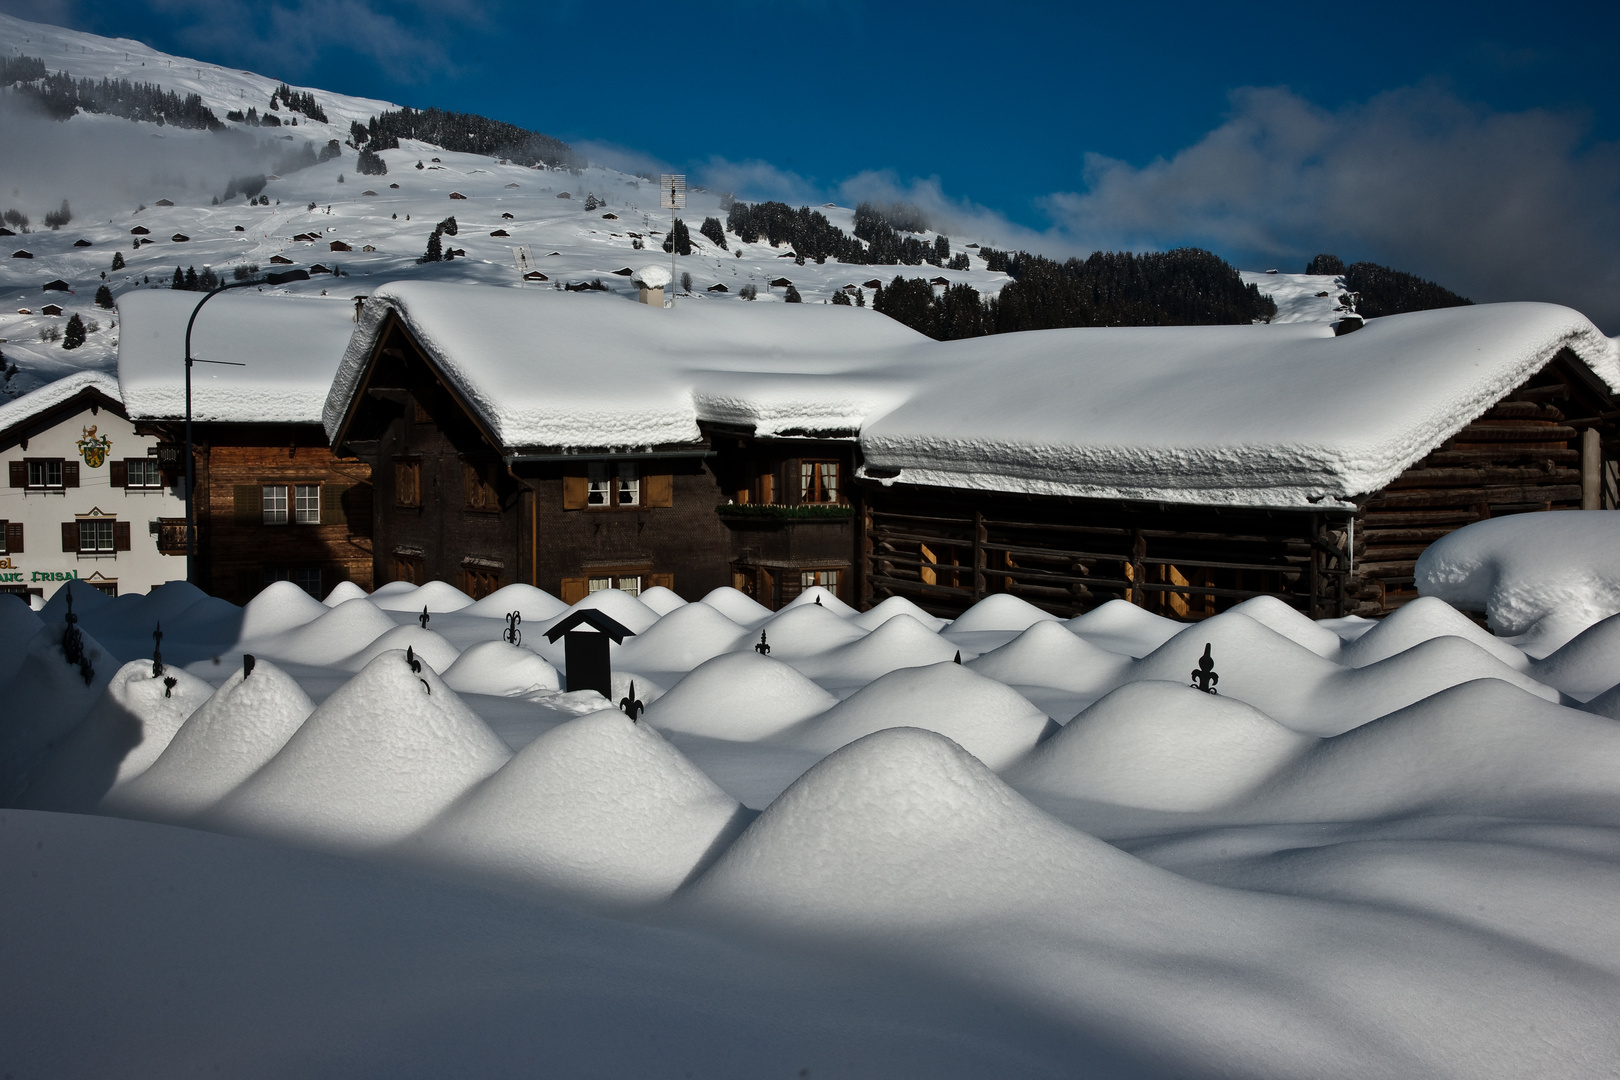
70 474
19 473
658 489
332 512
575 589
666 580
70 536
576 494
247 504
120 536
119 472
14 537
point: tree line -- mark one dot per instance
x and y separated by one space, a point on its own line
1184 287
465 133
61 95
876 242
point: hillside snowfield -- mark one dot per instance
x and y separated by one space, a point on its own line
1382 849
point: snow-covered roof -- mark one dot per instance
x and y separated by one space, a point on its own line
290 348
575 371
1284 416
38 402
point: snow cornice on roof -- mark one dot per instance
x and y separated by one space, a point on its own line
1257 416
38 403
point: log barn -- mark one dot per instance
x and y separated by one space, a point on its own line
1186 469
273 502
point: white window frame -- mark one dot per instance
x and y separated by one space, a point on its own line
808 579
629 493
599 490
273 504
45 465
151 477
307 504
100 525
625 583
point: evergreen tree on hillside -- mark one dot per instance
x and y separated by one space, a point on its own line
792 296
371 164
190 280
74 336
55 219
104 297
1381 291
716 234
179 284
1325 264
449 227
118 260
435 249
681 238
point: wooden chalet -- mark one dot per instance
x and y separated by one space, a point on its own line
1188 469
579 442
272 501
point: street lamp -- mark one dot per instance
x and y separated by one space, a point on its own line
191 513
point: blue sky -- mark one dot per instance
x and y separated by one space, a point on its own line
1476 144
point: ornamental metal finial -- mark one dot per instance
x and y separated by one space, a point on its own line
763 648
423 618
157 652
1204 677
631 706
513 635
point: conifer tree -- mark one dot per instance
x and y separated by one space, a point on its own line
118 260
104 297
716 234
793 296
191 279
179 280
74 337
435 248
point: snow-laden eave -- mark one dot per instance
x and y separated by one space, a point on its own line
40 403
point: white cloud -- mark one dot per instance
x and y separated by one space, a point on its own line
758 180
1498 206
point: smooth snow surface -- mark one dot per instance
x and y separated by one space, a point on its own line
495 667
742 696
1552 574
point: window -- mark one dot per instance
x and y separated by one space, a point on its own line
307 578
307 504
274 504
629 486
104 586
611 486
630 583
827 579
480 493
96 536
600 492
407 482
45 474
818 481
142 472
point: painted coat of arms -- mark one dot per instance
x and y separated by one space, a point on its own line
94 447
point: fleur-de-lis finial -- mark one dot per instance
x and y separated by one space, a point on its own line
1204 677
631 706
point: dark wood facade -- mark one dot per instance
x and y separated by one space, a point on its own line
1549 445
251 529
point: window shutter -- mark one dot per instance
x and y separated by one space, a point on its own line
576 492
247 504
70 536
666 580
119 472
19 473
332 512
70 474
14 537
574 589
120 536
658 490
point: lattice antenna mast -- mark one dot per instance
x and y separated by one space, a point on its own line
672 187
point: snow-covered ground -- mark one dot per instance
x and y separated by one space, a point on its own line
890 845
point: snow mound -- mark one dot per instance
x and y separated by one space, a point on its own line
681 640
139 613
897 605
342 631
1000 611
118 740
282 606
801 632
1160 746
87 600
740 696
902 642
737 606
1587 665
1526 568
343 591
437 596
18 625
1292 624
376 761
535 605
45 700
992 722
816 596
617 604
427 644
597 806
1605 704
661 600
394 589
1125 628
1047 654
500 669
225 741
899 831
1484 747
1414 623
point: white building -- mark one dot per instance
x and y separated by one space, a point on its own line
85 498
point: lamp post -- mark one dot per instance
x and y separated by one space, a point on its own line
191 513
